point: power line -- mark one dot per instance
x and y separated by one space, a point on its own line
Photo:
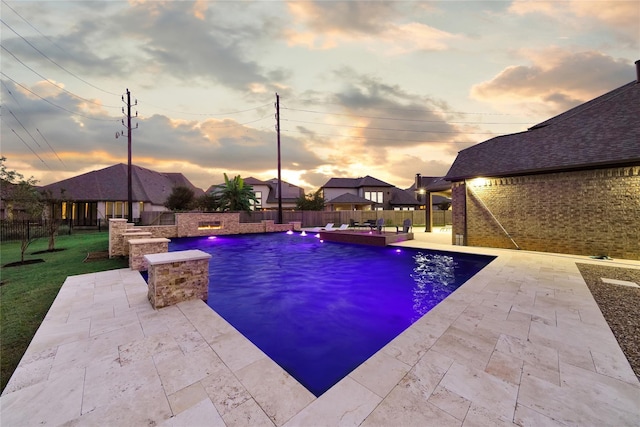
54 151
378 139
55 85
391 129
313 101
402 119
207 114
29 147
56 105
54 62
31 25
25 129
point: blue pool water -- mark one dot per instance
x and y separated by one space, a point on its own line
321 309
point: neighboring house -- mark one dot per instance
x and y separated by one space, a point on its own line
570 184
104 193
267 193
366 193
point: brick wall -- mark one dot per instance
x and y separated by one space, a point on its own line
594 212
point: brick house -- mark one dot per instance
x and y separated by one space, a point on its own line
366 193
570 184
102 194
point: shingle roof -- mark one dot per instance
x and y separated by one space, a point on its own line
290 193
110 184
602 132
402 198
367 181
350 198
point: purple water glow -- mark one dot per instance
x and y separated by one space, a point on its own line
321 309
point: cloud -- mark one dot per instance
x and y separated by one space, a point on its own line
327 25
556 81
159 141
619 17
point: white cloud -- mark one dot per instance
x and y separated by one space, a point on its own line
555 81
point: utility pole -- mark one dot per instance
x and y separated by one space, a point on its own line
129 169
279 163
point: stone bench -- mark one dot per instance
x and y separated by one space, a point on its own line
138 248
177 276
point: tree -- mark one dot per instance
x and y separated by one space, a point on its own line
234 195
311 202
443 206
207 203
23 195
181 199
53 220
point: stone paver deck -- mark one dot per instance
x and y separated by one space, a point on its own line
521 343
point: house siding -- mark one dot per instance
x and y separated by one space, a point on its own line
591 212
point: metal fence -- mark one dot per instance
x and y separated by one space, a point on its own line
19 230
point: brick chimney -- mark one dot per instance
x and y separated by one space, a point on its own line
638 71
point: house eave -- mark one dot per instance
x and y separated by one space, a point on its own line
541 171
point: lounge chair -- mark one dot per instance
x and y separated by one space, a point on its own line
406 226
328 227
343 227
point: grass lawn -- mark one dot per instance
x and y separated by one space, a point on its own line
28 291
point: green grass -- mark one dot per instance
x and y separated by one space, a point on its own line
28 291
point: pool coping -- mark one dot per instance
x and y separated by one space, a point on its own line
522 342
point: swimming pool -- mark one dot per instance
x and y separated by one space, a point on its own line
321 309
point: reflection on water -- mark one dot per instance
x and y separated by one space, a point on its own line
434 277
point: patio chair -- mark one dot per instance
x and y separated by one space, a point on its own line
406 226
343 227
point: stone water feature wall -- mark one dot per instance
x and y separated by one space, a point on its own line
190 225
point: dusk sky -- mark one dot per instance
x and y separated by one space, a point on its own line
381 88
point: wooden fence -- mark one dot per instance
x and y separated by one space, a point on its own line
320 218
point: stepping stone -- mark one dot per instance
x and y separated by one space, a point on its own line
620 282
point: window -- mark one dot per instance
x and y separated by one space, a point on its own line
116 209
374 196
258 203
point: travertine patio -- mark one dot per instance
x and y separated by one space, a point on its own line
521 343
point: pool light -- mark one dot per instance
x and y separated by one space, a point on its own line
318 236
290 232
211 237
303 233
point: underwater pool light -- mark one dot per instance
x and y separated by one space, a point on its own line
303 233
290 232
211 237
